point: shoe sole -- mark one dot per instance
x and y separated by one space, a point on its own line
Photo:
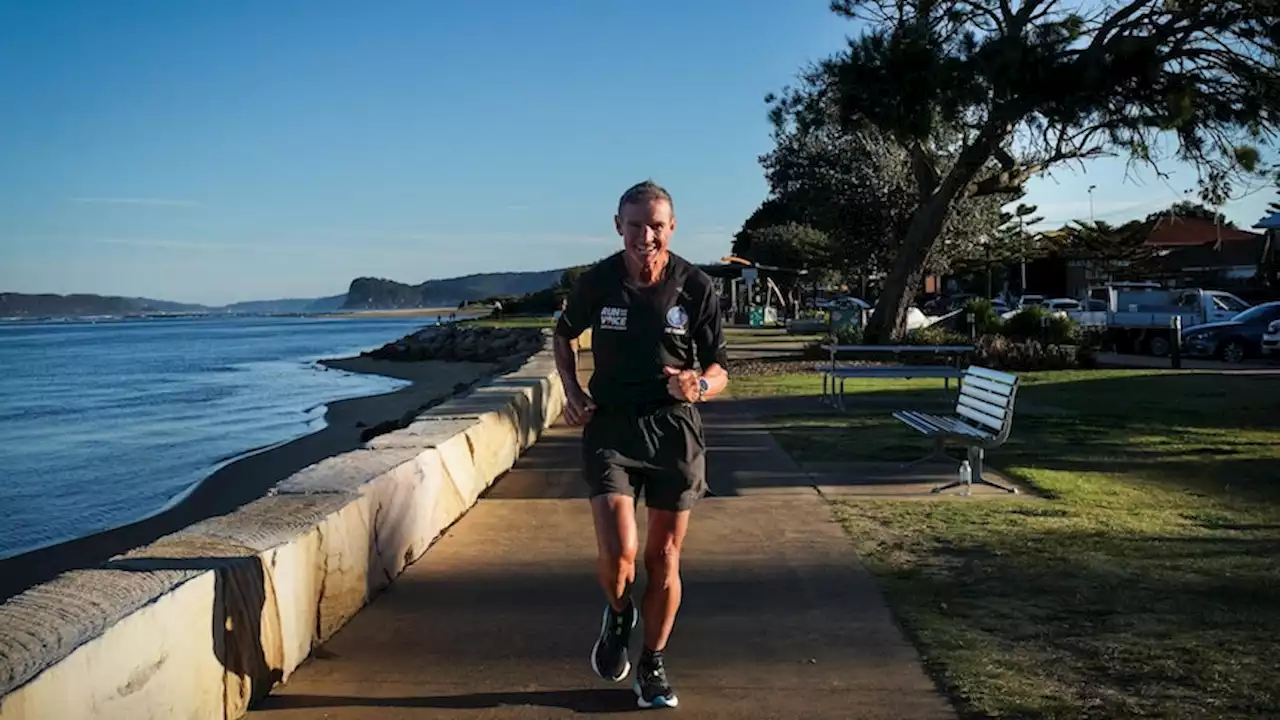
604 628
660 702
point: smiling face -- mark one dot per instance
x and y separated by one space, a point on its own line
646 227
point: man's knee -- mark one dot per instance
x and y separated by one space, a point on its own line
662 561
616 534
621 554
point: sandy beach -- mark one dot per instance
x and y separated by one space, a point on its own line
249 477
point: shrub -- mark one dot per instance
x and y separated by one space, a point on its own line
1029 324
541 302
985 317
849 335
935 335
1001 353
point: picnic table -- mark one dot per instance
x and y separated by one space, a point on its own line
834 374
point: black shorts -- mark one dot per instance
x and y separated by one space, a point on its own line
661 451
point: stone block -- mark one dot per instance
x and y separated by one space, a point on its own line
345 473
421 434
161 659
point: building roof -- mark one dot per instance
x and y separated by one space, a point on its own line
1270 222
1190 231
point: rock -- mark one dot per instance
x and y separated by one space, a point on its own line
462 343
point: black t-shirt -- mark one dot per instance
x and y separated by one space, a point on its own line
636 331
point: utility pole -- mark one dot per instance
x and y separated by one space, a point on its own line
1091 219
1022 246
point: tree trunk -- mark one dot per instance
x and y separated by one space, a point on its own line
888 321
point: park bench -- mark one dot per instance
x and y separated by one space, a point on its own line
835 374
982 421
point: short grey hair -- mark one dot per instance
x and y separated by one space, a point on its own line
646 191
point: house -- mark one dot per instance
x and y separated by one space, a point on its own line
1177 250
1197 252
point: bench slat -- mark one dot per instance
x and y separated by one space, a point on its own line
993 375
996 399
957 427
915 421
934 424
997 388
927 424
993 423
986 408
960 428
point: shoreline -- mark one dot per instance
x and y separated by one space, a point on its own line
467 313
248 476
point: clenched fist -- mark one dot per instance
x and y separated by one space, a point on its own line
578 407
682 384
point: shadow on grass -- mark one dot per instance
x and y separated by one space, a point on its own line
1202 433
1067 616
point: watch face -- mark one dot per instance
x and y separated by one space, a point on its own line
703 384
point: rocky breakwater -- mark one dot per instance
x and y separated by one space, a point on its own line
464 343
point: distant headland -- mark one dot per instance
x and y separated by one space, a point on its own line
363 294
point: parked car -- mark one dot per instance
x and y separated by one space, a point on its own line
1235 340
1271 340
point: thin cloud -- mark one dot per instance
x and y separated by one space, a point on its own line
511 236
169 244
584 240
363 252
162 244
1058 213
153 202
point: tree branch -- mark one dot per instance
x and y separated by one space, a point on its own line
925 170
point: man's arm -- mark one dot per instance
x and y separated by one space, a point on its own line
575 319
566 361
711 346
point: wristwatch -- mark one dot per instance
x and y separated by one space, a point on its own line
703 387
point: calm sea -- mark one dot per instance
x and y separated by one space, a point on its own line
105 423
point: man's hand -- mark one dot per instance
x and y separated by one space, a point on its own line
682 384
578 407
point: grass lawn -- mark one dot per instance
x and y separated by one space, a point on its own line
514 321
1146 585
738 335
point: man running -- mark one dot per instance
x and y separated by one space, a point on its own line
653 315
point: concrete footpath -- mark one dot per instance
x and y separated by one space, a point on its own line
497 620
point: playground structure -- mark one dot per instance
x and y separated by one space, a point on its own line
751 294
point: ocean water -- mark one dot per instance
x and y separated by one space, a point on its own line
105 423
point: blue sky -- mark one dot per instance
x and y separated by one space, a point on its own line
222 151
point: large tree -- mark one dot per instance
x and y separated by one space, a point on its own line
855 182
789 245
1037 83
773 212
1188 209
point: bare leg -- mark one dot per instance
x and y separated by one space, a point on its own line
662 563
617 544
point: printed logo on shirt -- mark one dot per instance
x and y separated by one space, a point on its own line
613 318
677 320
